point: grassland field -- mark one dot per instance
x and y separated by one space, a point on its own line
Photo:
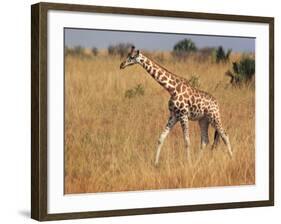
111 140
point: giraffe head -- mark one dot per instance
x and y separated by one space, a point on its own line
132 58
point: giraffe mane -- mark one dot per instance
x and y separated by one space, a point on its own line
166 70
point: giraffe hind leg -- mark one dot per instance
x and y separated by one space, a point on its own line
216 139
226 141
220 132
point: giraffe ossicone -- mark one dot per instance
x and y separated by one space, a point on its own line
186 103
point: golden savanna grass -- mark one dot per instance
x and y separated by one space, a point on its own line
111 140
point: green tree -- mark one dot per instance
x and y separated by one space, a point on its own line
184 47
221 55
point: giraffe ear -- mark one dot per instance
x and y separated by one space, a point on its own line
132 49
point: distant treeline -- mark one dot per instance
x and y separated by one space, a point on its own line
181 50
241 71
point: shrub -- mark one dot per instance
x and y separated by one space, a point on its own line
194 81
67 50
243 71
78 50
120 49
136 91
75 51
111 50
233 78
183 48
245 68
95 51
221 55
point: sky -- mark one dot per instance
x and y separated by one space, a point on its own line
101 39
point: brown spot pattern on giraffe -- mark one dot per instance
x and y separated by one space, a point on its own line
163 78
185 100
178 88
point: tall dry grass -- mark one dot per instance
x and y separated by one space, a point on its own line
110 140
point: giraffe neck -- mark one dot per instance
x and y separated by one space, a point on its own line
160 74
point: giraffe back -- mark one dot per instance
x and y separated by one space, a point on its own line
192 102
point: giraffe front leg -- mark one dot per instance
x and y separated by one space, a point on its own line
204 125
185 129
171 122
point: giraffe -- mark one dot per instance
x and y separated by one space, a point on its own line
186 103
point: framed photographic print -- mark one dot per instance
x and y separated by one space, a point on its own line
138 111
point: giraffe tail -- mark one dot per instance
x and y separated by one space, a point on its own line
216 139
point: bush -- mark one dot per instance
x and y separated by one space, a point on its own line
95 51
243 71
120 49
245 68
111 50
221 55
183 48
194 81
233 78
136 91
67 50
78 50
